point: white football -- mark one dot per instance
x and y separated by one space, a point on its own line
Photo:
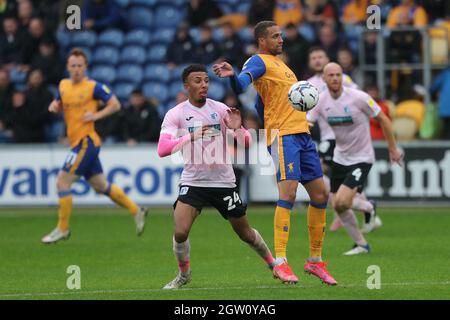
303 96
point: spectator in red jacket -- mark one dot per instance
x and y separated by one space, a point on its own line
375 129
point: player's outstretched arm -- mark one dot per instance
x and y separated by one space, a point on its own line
112 106
168 144
55 106
395 153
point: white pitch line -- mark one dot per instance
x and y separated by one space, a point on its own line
37 294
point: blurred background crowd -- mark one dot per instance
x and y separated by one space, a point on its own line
139 47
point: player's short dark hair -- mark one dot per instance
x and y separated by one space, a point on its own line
317 48
77 52
261 27
192 68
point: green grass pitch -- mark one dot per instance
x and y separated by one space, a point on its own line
411 250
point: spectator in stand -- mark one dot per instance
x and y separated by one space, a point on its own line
36 33
345 59
407 14
182 48
49 61
12 44
99 15
7 8
202 12
328 39
376 131
231 46
208 51
25 12
141 121
287 11
49 11
27 120
320 12
354 12
296 49
6 92
441 84
260 10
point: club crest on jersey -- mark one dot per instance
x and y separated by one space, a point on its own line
346 109
214 115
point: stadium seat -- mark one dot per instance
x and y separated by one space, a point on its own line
178 3
226 7
174 88
138 37
168 16
104 74
83 38
243 8
307 31
17 77
176 73
156 90
157 72
132 54
123 3
111 37
246 34
157 53
139 18
194 32
164 35
123 90
130 73
411 108
218 34
63 37
106 55
143 3
216 90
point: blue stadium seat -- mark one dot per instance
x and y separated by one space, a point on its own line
218 34
226 8
111 37
157 53
123 3
168 16
139 18
246 34
176 73
164 35
130 73
174 88
132 54
307 31
194 32
143 3
63 37
138 37
123 90
17 77
104 74
156 90
157 72
83 38
243 8
216 90
178 3
106 55
53 89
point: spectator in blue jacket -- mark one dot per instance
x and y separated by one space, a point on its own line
98 15
442 84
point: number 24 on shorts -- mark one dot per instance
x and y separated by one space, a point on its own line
232 200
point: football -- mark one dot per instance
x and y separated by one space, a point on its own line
303 96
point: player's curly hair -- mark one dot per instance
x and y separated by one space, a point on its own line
192 68
261 27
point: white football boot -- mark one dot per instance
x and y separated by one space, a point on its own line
139 219
56 235
180 280
357 250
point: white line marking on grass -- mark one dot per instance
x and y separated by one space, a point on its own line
281 286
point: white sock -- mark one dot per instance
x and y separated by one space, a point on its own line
351 225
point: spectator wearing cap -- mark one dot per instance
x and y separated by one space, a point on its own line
141 120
